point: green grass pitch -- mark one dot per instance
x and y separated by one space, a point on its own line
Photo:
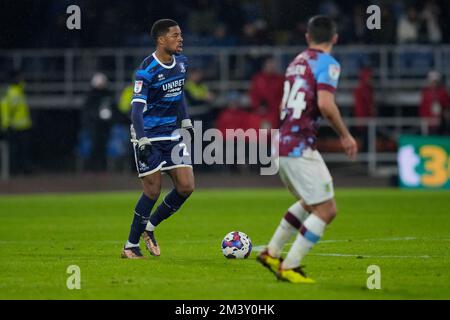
405 233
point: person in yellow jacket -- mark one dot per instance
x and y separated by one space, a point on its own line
15 121
126 96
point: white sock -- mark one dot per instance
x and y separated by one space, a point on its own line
310 234
285 229
131 245
282 235
150 227
297 210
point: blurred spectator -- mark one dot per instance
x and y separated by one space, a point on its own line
201 18
124 105
297 37
199 98
430 15
231 116
363 95
255 34
364 107
118 150
266 91
358 28
408 27
96 121
16 124
387 34
235 117
221 38
230 12
329 8
435 101
444 128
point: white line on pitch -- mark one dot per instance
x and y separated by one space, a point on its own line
368 256
260 248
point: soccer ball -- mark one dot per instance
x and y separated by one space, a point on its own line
236 245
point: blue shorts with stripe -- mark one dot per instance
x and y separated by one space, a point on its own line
164 155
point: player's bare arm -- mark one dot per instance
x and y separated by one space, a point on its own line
330 111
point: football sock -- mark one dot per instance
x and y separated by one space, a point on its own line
171 203
291 222
141 214
309 235
131 245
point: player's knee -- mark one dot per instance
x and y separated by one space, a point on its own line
151 189
332 215
185 189
326 211
152 193
306 207
332 212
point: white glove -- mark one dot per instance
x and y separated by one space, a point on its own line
186 124
144 141
144 149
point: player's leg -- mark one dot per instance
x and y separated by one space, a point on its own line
289 224
310 233
151 185
292 221
183 180
150 174
315 184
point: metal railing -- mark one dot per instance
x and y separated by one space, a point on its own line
4 158
378 162
66 73
382 163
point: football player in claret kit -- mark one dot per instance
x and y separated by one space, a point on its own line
310 83
158 107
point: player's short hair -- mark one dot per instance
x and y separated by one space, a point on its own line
161 27
321 29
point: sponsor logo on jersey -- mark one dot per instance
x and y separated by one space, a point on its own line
334 71
182 67
173 86
138 86
160 77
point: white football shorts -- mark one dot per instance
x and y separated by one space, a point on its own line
307 177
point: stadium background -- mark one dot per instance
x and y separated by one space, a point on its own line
227 42
404 232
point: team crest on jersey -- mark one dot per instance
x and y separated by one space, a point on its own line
138 86
182 67
334 71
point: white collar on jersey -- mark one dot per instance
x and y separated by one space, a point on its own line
164 65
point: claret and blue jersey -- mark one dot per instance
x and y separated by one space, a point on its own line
160 87
310 72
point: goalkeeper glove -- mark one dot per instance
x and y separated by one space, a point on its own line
186 124
144 149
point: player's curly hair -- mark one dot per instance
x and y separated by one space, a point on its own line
161 27
321 29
